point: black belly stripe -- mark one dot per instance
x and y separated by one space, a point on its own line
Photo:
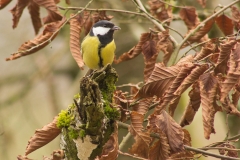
100 64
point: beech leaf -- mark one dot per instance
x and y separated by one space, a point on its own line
43 136
208 48
35 16
143 105
49 33
4 3
17 11
233 74
75 30
135 51
225 24
202 3
193 105
200 33
225 50
142 139
208 91
189 16
160 79
53 13
173 131
123 102
236 17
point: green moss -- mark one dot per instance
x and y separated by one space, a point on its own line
73 134
77 96
111 113
64 119
82 133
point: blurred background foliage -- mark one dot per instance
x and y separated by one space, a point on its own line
34 89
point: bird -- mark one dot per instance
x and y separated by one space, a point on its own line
98 47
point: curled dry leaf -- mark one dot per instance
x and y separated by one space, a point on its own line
208 48
165 45
189 16
35 15
195 37
160 149
20 157
233 74
17 11
160 79
173 131
202 3
135 51
123 102
53 13
169 95
75 30
225 24
208 93
230 108
142 139
56 155
150 53
236 17
110 148
225 50
43 136
143 105
4 3
49 33
193 105
228 151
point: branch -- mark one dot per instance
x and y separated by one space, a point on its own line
175 53
125 126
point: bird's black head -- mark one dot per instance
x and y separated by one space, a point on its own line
104 31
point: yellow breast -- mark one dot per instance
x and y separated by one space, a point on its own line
90 49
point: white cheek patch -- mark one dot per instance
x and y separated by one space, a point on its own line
100 30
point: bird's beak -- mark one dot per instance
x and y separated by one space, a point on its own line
116 28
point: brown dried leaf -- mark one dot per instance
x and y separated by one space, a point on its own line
4 3
200 33
143 105
121 100
208 91
135 51
159 81
208 48
165 45
233 74
87 22
142 139
20 157
75 30
225 50
56 155
189 16
225 24
101 15
17 11
161 149
192 108
53 13
49 33
170 97
35 15
227 152
202 3
230 108
110 148
43 136
191 78
150 53
166 124
236 17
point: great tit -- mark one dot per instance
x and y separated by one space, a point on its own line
98 46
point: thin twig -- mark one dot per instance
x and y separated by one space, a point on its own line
224 148
130 155
124 142
176 51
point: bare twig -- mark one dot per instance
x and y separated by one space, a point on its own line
130 155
